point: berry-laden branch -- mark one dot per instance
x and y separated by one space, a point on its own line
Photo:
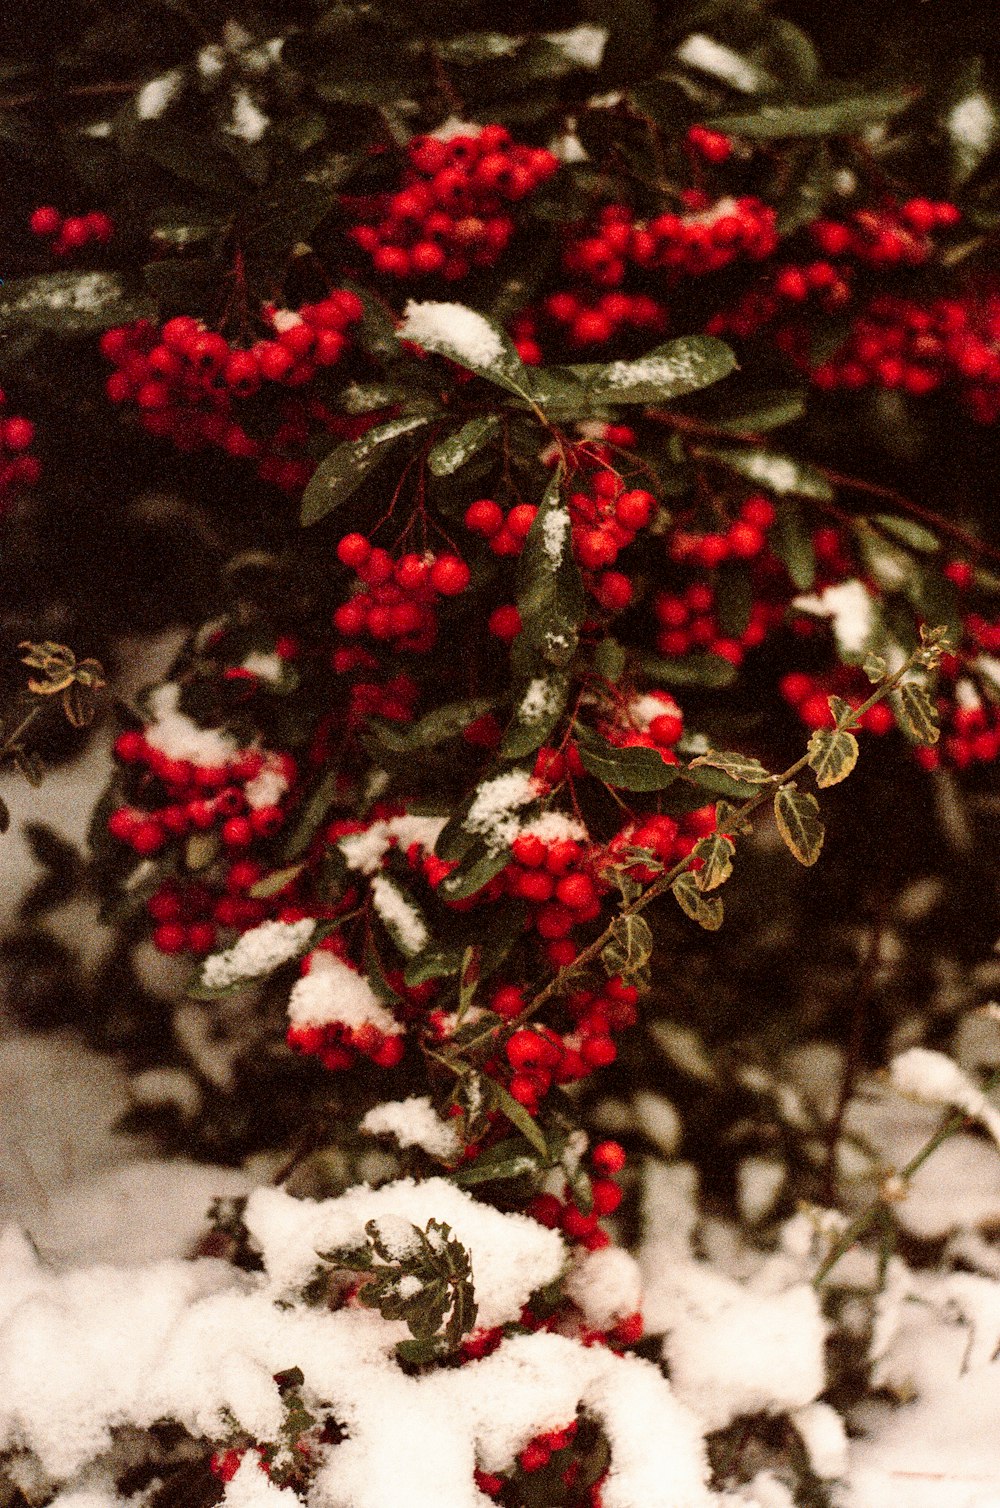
830 755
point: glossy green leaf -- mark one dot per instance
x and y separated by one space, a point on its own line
340 473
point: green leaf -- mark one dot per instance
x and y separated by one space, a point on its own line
537 713
550 592
628 769
505 1159
738 766
797 815
770 412
340 473
476 870
311 815
630 946
436 727
791 540
780 474
875 668
691 670
705 910
907 532
852 114
71 303
833 753
716 852
518 1117
733 599
669 371
275 881
451 453
917 713
610 659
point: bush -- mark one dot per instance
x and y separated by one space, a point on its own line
575 427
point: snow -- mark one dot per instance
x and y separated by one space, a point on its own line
178 736
454 331
247 122
493 814
270 668
937 1080
539 700
972 123
365 851
454 125
512 1256
211 60
849 607
400 916
822 1432
555 529
581 45
250 1487
704 53
554 827
659 371
69 293
414 1123
606 1285
643 709
154 97
265 789
258 952
333 992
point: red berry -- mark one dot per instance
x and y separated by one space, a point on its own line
170 937
608 1157
353 550
45 221
449 575
505 622
484 517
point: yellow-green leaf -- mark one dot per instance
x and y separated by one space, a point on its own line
797 815
705 910
833 753
917 713
717 855
737 766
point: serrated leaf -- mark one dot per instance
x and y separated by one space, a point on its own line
843 712
833 753
707 911
451 453
797 816
781 474
624 769
630 947
734 764
340 473
519 1117
917 713
875 668
716 853
671 370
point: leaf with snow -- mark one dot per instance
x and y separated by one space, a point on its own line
550 595
71 303
671 370
539 709
797 816
254 956
452 453
781 474
833 753
341 473
466 337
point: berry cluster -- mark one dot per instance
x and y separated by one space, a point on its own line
583 319
810 694
449 214
555 875
72 232
193 387
339 1043
705 236
394 603
240 799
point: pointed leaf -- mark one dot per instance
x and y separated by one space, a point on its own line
541 705
519 1117
629 769
630 946
550 592
705 910
791 541
340 473
797 815
671 370
852 114
691 670
451 453
833 753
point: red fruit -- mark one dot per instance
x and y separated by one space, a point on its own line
266 821
274 360
577 891
607 1196
122 823
178 333
667 728
534 1456
614 591
18 433
148 836
100 225
170 937
508 1001
795 686
712 550
449 575
75 233
520 519
353 550
878 719
599 1052
45 221
201 937
959 573
608 1157
745 540
526 1049
237 833
524 1089
484 517
528 850
815 711
241 373
505 622
635 509
130 746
